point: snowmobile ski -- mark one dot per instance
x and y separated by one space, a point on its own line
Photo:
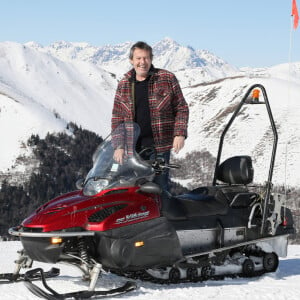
25 262
50 294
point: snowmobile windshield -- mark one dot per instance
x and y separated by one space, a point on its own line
107 173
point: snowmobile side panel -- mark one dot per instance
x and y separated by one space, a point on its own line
149 243
201 240
40 249
193 241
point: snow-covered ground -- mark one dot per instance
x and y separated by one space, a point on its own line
284 284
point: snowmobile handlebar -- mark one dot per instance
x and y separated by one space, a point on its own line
160 165
157 163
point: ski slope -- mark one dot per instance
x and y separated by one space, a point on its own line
283 284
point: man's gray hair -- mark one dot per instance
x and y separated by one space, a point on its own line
140 45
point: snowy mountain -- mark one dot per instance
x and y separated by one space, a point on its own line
186 62
44 88
40 93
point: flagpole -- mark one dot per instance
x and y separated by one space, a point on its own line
292 26
290 47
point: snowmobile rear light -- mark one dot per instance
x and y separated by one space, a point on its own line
139 244
56 240
284 221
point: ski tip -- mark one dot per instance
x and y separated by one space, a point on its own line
130 286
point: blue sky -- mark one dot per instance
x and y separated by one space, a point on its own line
252 33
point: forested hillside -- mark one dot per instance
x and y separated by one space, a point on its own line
63 158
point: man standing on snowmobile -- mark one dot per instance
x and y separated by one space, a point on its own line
153 99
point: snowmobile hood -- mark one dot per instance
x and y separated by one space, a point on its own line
57 211
77 212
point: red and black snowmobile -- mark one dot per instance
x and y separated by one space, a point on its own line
120 221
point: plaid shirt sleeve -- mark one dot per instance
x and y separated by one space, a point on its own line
121 113
181 109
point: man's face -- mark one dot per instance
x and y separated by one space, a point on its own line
141 62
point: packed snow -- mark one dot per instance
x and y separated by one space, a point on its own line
283 284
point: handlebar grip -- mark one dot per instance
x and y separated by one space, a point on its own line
173 166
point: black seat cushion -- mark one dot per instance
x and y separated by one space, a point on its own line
204 204
203 201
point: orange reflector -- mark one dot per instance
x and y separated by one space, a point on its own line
56 240
139 244
255 94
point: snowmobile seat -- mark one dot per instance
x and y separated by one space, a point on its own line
204 201
235 173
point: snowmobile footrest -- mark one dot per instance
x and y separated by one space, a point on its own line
14 277
53 272
51 294
9 277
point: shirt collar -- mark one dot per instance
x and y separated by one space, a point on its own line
131 74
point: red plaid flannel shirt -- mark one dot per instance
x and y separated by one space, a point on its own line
168 109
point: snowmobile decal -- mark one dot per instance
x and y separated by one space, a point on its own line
133 217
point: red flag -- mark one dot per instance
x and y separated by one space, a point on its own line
295 14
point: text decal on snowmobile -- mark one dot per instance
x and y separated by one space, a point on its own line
133 217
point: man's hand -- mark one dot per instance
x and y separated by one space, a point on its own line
119 156
178 143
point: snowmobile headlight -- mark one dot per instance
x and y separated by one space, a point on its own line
56 240
139 244
93 187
